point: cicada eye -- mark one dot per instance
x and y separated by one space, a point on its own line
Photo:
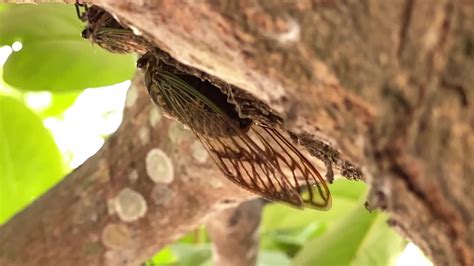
142 62
85 33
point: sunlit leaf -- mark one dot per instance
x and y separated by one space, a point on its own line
164 257
359 238
345 194
30 162
54 57
59 103
267 258
191 255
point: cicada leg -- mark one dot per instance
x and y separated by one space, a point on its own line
81 15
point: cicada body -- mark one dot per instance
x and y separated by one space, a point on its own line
256 156
104 30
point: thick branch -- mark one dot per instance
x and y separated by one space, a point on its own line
386 84
150 183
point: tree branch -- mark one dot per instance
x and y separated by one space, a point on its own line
386 85
386 88
151 183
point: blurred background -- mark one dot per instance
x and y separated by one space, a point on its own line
61 97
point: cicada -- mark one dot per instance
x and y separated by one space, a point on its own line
251 152
104 30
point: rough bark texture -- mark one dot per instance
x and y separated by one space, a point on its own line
388 85
234 234
151 183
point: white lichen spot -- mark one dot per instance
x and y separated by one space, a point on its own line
161 194
177 132
144 135
199 152
133 176
111 206
154 117
132 96
159 166
116 236
130 205
215 183
292 33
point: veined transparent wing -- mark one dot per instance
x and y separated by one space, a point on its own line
265 162
256 157
119 40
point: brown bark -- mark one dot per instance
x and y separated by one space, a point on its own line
386 84
151 183
234 234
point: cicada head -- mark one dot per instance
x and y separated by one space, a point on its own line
145 61
86 33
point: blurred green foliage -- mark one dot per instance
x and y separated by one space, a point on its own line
345 235
60 101
30 162
54 58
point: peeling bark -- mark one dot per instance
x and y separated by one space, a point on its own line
387 85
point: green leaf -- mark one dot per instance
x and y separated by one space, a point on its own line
54 57
270 258
345 194
295 236
360 238
164 257
30 162
192 255
287 229
60 101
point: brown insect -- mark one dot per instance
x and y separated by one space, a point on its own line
104 30
252 153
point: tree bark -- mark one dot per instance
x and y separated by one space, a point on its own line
386 86
151 182
234 234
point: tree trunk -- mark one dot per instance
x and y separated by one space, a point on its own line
384 85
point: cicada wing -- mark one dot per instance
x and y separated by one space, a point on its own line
242 161
259 159
119 40
315 193
265 162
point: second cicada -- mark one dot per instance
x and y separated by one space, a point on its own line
104 30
